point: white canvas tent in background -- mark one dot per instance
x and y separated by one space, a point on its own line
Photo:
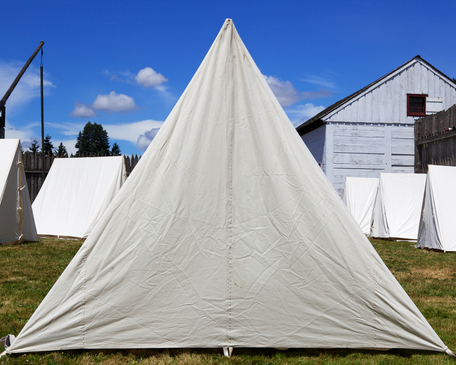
438 223
76 193
397 206
359 197
16 216
226 234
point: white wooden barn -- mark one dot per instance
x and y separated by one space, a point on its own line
371 131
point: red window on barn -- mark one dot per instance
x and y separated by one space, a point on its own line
416 105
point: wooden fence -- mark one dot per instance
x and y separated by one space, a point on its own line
435 140
33 167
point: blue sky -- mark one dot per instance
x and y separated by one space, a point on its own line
124 64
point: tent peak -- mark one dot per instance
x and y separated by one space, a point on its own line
228 22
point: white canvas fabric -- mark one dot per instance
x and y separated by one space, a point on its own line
76 193
16 216
227 234
359 197
438 224
397 207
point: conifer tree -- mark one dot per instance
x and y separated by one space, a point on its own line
93 139
115 150
34 147
48 147
61 151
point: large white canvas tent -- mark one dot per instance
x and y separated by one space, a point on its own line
227 234
76 193
359 197
16 216
397 206
438 224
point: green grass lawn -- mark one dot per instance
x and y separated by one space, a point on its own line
28 272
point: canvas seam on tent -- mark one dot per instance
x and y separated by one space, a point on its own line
230 199
84 292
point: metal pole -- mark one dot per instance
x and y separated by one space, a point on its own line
2 122
42 118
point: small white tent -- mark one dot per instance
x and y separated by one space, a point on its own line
16 216
76 193
359 197
227 234
438 224
397 206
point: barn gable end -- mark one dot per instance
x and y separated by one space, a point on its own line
371 131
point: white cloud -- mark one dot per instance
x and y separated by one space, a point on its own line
114 102
284 91
301 113
83 111
320 81
320 93
110 103
67 129
145 139
131 131
287 95
27 89
26 133
125 76
147 77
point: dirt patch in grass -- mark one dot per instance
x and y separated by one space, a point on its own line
5 307
448 302
16 278
434 273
